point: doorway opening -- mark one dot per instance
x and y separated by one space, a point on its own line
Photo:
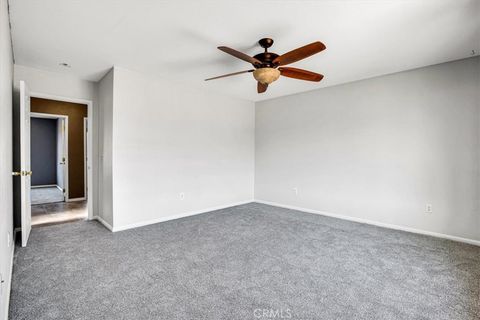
49 154
52 162
59 145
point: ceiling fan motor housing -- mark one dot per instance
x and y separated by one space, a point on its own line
266 58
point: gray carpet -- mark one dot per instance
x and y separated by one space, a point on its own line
247 262
41 195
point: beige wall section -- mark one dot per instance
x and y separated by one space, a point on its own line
62 85
76 158
6 192
379 149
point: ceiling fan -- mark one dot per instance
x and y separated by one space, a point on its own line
269 66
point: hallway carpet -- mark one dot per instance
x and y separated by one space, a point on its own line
60 212
42 195
247 262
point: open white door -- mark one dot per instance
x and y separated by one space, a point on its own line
62 155
25 171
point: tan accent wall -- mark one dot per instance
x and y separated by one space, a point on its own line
75 112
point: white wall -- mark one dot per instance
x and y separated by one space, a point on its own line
55 83
6 206
379 149
105 102
168 139
62 85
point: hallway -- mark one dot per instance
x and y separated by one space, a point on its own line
45 195
60 212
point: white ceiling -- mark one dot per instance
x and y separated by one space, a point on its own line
178 39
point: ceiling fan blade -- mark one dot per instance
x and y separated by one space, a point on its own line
299 54
240 55
261 87
229 75
300 74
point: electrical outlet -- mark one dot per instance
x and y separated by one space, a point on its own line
428 208
182 196
296 191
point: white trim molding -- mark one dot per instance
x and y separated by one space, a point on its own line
43 115
6 294
85 157
105 223
374 223
177 216
44 186
76 199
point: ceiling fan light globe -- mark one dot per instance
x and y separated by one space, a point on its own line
266 75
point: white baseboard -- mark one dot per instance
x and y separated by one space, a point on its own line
44 186
177 216
9 280
374 223
76 199
105 223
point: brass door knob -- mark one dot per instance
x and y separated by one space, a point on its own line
22 173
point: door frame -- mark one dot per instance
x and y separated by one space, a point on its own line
90 116
42 115
86 155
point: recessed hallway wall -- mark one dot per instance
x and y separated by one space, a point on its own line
43 143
